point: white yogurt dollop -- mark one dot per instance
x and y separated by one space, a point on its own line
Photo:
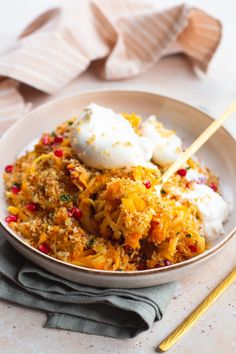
168 146
193 175
212 207
104 139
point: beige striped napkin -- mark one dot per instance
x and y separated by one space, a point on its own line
126 36
12 104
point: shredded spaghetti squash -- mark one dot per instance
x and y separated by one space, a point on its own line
106 219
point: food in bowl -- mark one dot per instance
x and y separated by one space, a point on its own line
87 194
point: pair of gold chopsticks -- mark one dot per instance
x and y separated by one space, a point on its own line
197 313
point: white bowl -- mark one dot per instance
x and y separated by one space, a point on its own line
219 154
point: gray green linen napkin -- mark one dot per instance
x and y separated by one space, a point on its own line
119 313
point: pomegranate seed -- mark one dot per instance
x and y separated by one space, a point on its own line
213 186
11 218
182 172
32 207
167 262
8 168
58 153
46 140
58 139
15 189
147 184
193 248
75 212
44 248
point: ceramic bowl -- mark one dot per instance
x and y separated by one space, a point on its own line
219 154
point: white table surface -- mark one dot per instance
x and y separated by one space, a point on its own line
215 333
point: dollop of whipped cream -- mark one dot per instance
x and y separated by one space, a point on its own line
212 208
167 145
104 139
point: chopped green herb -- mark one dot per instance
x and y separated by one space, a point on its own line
188 168
163 191
70 123
65 198
188 235
53 134
90 242
177 233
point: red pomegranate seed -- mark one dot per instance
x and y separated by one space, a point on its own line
193 248
213 186
8 168
15 189
147 184
167 262
58 153
44 248
32 207
75 212
11 218
58 139
182 172
46 140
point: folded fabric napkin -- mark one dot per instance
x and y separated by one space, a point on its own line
119 313
126 36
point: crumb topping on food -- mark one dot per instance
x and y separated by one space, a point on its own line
111 218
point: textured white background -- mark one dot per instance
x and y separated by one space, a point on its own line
21 329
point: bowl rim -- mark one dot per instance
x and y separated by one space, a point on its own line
74 267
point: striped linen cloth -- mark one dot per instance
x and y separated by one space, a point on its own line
125 37
12 104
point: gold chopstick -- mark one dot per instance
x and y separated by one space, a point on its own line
197 313
196 145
